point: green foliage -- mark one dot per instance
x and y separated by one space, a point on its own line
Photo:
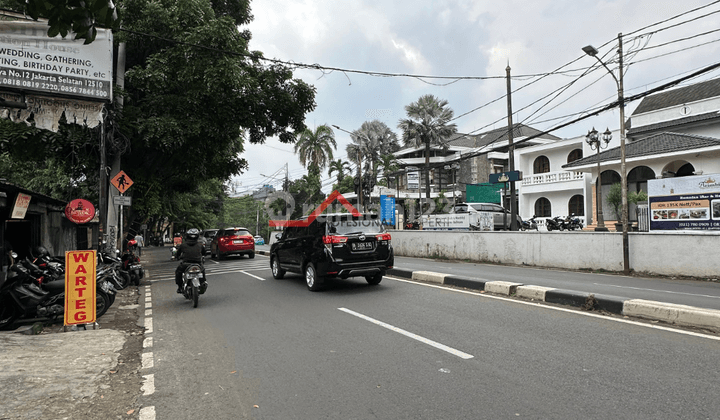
81 17
193 95
62 165
428 123
341 167
307 194
614 198
248 213
388 164
372 140
315 148
346 185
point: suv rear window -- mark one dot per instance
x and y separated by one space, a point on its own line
357 225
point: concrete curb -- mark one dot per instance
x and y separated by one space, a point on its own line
688 316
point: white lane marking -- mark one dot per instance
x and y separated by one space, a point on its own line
148 326
656 290
147 413
259 269
148 386
147 360
148 312
147 342
253 275
555 308
435 344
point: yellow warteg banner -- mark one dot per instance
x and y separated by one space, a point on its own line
80 284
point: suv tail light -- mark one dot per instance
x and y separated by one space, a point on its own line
334 239
383 237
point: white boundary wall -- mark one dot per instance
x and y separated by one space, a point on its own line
666 253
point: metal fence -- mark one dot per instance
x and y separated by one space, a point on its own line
643 216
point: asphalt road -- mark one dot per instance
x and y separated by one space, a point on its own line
270 349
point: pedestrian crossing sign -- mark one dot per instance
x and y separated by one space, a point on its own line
121 181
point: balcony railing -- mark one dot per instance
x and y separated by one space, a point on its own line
551 177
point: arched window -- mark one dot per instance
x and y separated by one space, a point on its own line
610 177
576 205
686 170
542 207
541 165
638 177
575 155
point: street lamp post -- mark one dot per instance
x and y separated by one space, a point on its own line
596 143
592 51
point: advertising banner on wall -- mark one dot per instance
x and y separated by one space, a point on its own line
32 62
685 203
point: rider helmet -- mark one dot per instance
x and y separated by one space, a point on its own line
192 235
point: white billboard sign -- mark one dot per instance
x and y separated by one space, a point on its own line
32 62
413 180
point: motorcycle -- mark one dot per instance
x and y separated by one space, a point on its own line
131 264
193 283
573 223
554 224
22 297
529 224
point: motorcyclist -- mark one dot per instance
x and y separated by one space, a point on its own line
191 251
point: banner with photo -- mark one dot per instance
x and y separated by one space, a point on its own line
685 203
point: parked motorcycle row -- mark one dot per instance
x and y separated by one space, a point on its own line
561 223
34 290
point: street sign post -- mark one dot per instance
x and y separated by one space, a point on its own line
121 181
121 200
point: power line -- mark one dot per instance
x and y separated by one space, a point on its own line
674 17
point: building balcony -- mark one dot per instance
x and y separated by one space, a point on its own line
552 177
553 181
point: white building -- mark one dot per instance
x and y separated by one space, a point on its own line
672 133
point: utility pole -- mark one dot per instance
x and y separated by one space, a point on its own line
623 171
511 154
114 232
360 190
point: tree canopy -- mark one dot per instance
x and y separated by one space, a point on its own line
194 94
315 148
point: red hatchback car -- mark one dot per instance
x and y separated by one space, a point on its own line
232 241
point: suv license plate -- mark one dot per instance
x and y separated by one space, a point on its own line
237 242
361 246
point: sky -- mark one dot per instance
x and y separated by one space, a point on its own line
470 43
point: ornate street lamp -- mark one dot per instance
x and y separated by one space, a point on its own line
592 52
596 143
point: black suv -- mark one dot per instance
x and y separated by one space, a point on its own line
334 245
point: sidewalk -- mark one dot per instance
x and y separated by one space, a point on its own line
84 374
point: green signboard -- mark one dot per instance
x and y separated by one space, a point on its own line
483 193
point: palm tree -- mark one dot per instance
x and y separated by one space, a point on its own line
388 164
427 123
372 140
315 149
340 166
